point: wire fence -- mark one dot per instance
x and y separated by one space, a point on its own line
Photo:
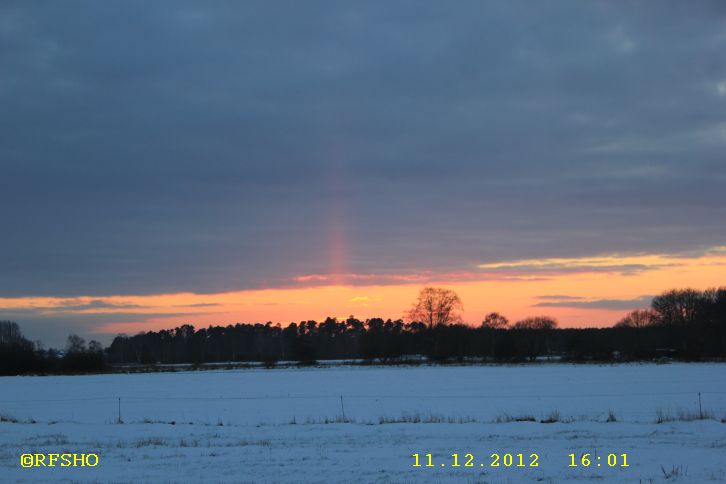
226 409
366 396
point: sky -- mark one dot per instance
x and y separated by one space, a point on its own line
181 162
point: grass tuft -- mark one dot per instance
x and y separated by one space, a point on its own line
662 416
553 417
676 471
7 418
506 418
150 442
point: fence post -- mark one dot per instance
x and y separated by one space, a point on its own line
700 408
342 408
119 411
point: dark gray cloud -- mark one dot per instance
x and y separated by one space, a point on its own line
166 146
614 304
85 306
197 305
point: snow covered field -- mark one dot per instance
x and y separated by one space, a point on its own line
291 424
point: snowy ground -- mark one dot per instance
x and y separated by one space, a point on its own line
285 425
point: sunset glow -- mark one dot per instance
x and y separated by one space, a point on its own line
591 291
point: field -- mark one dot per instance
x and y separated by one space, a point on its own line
343 423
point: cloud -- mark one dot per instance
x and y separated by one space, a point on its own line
66 305
424 277
363 299
197 305
609 304
225 147
618 264
560 297
621 41
93 304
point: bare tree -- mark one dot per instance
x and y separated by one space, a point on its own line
640 318
10 333
494 321
75 344
537 322
534 341
95 347
435 306
678 307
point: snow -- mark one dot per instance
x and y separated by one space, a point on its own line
286 425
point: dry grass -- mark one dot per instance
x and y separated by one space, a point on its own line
663 416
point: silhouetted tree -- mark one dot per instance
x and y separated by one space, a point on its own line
639 318
679 307
492 331
10 333
494 321
75 344
79 358
533 333
17 354
436 305
537 323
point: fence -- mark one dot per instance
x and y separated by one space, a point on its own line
364 408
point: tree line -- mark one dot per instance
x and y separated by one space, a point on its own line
18 355
683 324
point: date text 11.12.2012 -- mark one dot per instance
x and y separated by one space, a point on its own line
517 460
469 460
